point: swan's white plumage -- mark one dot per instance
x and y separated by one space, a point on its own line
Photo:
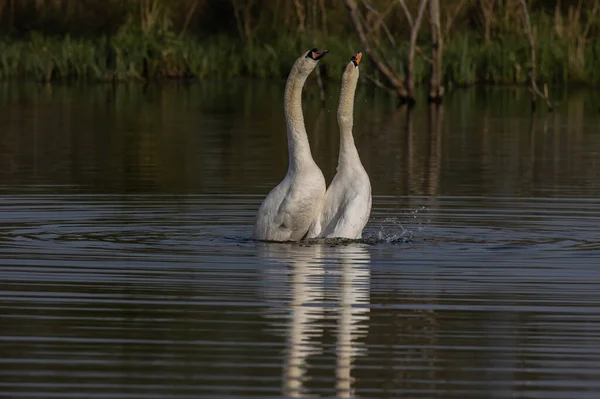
347 203
288 210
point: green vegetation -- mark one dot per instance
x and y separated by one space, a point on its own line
133 55
106 40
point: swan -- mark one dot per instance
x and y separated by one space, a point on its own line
347 203
289 209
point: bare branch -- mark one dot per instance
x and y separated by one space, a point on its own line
380 21
379 84
188 18
436 90
408 16
420 54
529 33
591 19
487 9
371 34
237 11
410 81
300 14
323 16
452 17
397 85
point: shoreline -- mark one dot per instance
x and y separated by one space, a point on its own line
145 58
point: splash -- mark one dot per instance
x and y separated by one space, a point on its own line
389 230
402 229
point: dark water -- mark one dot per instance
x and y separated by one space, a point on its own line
127 269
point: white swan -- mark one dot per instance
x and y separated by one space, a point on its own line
347 204
288 210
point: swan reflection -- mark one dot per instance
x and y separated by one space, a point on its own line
353 313
322 283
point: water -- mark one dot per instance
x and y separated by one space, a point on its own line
127 268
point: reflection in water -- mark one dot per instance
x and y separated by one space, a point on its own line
436 120
310 302
212 138
126 270
305 311
353 312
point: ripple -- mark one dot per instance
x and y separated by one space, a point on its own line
154 296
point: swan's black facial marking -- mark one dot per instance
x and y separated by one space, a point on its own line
315 54
355 59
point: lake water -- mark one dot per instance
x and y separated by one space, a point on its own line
127 268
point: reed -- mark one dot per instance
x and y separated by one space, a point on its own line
104 41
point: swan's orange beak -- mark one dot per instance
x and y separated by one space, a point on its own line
358 57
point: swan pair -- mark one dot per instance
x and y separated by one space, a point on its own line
300 207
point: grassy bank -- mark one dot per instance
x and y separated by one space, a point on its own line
135 56
91 40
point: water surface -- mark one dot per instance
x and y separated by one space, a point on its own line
127 268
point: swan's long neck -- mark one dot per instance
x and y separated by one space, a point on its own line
348 154
298 145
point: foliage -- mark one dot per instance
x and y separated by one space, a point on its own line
110 40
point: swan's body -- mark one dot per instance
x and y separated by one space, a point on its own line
347 204
288 210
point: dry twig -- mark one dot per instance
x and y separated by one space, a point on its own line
397 85
528 31
380 21
410 82
451 17
407 13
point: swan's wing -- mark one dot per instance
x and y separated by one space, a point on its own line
291 207
297 211
333 204
272 215
351 221
315 228
352 212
